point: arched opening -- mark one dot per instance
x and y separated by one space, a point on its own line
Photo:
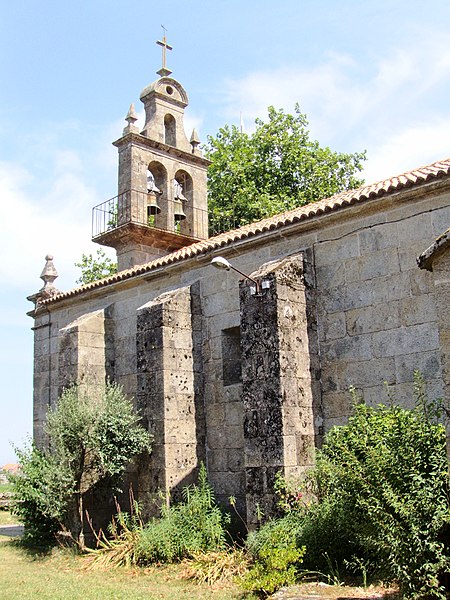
182 194
156 194
170 130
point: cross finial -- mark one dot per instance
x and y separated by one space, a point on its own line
164 71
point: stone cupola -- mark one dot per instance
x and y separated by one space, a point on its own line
161 204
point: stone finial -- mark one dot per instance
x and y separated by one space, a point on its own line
195 141
131 119
48 276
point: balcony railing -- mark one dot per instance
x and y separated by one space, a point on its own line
132 207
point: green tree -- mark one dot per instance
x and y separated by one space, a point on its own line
93 435
277 168
384 497
94 268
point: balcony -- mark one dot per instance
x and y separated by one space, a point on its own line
128 218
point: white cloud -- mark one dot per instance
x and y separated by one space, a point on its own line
351 107
32 226
410 148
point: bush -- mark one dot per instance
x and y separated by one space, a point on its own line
93 435
383 490
42 493
275 554
194 525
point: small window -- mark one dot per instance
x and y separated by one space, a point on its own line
170 133
231 356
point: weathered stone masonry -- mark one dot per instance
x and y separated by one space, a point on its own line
170 388
280 381
247 383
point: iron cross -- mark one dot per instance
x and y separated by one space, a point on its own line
165 46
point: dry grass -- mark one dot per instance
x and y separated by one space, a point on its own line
63 576
215 567
6 518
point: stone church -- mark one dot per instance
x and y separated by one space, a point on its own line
245 368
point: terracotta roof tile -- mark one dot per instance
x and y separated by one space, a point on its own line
412 178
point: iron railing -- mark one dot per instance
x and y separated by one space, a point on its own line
131 207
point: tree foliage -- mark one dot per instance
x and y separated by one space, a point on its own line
377 503
93 435
384 476
94 268
275 169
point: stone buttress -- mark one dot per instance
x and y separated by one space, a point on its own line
280 379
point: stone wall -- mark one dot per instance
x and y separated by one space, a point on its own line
436 259
86 350
374 311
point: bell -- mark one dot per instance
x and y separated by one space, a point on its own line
152 205
178 212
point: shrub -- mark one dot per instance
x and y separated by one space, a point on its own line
275 554
42 493
93 435
194 525
383 491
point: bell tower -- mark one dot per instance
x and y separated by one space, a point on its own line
161 204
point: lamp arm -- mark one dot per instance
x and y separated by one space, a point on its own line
258 285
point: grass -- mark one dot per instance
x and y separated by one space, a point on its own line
63 576
6 487
6 518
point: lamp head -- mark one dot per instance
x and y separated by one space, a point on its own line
221 263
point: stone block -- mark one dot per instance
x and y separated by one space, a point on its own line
217 460
440 219
235 458
228 483
378 317
177 431
378 394
90 339
263 451
290 451
427 363
421 282
371 266
419 309
378 237
404 340
234 413
357 347
332 327
408 254
366 373
327 252
330 275
305 449
346 297
336 405
415 227
180 456
391 288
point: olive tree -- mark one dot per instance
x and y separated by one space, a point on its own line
93 435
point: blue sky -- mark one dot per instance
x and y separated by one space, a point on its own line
369 75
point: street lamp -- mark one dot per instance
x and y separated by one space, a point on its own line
221 263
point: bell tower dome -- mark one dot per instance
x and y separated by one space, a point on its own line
161 204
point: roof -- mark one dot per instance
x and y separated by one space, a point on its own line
411 179
425 260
